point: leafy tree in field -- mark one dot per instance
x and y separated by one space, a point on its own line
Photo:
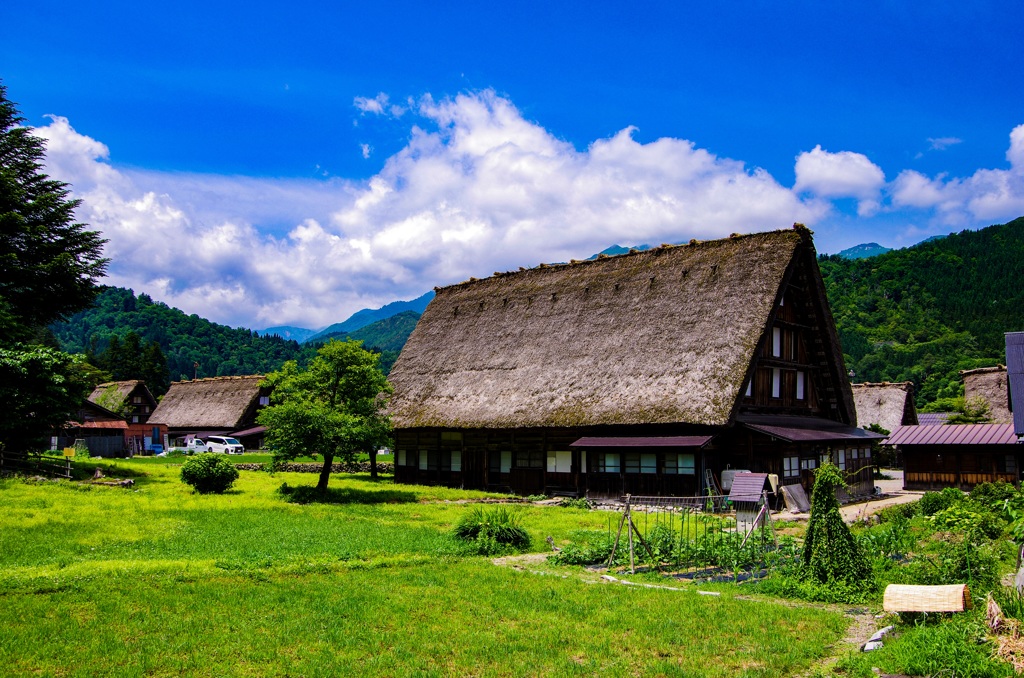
40 389
49 264
333 408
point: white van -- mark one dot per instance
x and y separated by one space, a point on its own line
219 444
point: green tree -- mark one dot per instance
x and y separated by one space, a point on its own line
49 265
41 389
974 410
333 408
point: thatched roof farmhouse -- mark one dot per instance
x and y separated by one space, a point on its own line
217 405
635 373
888 405
991 385
131 396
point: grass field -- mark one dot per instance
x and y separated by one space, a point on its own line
155 580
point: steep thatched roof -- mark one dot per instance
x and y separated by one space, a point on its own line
991 384
661 336
887 404
215 403
121 389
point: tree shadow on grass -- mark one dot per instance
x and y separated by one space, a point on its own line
336 495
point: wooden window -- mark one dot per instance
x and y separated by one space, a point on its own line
137 400
264 400
583 461
800 392
791 467
400 458
451 437
529 459
428 460
455 461
559 461
776 382
777 342
750 388
841 459
808 464
1010 463
636 462
500 461
867 452
681 464
607 462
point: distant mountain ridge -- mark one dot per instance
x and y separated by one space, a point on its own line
299 334
864 250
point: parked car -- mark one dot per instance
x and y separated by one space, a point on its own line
222 444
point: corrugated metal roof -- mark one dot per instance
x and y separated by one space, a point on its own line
932 418
747 486
958 434
806 429
1015 374
665 441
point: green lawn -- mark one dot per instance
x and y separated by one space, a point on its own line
157 580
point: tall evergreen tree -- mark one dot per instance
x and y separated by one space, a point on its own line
49 265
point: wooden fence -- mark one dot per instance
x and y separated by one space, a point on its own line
39 464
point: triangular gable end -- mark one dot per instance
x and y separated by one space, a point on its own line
798 366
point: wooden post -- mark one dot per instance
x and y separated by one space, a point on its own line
629 517
619 533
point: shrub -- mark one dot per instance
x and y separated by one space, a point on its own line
933 502
492 531
970 520
899 512
831 553
577 503
993 495
209 473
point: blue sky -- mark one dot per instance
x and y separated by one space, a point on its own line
292 164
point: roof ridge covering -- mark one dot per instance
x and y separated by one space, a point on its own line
657 336
214 402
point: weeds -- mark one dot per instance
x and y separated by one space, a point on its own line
492 531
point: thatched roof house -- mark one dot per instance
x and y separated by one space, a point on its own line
691 340
991 385
218 405
888 405
131 396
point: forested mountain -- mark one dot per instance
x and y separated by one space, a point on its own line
128 335
864 250
367 316
184 339
923 313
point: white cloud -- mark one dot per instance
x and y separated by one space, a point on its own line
840 175
366 150
478 188
379 105
942 143
987 196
